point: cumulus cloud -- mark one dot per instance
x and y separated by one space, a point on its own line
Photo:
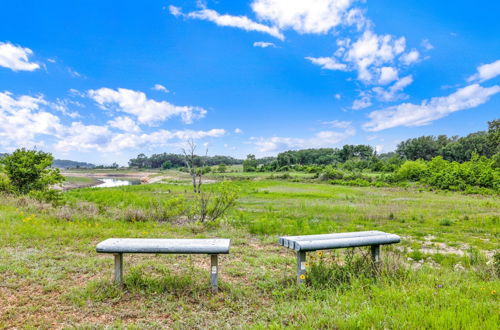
387 74
102 139
238 131
486 72
263 44
176 11
393 92
327 63
22 120
161 88
240 22
125 124
410 57
319 140
408 114
16 58
312 16
146 110
364 101
426 44
372 50
27 121
63 106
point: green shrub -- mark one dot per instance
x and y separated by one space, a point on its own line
331 173
445 222
47 195
5 185
412 170
30 170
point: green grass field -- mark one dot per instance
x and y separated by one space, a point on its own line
442 275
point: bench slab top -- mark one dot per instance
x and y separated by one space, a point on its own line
165 245
338 240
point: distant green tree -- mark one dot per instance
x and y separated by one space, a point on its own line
29 170
423 147
222 168
494 135
166 165
250 164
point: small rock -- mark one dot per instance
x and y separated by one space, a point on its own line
459 267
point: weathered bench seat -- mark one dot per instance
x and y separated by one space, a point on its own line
307 243
164 246
337 241
119 246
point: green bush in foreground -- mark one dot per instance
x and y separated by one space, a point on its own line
28 171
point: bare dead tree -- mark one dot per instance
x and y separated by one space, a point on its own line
196 172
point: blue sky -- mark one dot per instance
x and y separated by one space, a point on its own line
102 81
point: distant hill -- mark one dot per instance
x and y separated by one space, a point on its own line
63 163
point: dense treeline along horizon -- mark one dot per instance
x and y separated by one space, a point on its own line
169 160
455 148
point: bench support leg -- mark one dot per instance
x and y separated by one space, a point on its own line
301 267
214 271
375 249
119 268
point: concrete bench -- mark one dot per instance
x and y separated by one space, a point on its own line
119 246
307 243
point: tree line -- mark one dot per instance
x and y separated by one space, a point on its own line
169 160
351 157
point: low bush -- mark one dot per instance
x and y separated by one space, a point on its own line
331 173
412 170
5 185
213 203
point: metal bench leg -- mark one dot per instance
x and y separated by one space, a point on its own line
119 268
214 270
375 255
301 267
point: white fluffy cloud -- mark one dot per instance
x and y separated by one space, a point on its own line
486 72
238 131
102 139
241 22
319 140
16 58
387 74
407 114
364 101
312 16
426 44
26 121
263 44
125 124
146 110
371 55
327 63
410 57
22 120
393 92
160 88
371 51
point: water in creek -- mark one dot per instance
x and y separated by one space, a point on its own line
116 182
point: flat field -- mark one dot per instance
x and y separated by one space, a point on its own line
443 275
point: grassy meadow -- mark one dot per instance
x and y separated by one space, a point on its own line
444 274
